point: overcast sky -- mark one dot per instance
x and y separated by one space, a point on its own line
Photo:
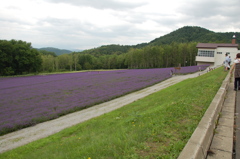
86 24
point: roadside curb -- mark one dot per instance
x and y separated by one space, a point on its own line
200 141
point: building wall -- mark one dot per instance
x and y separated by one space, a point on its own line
202 60
206 63
219 56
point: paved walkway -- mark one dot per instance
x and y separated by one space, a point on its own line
222 143
27 135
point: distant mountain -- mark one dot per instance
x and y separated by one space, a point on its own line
182 35
56 50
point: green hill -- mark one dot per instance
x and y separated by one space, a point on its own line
195 34
182 35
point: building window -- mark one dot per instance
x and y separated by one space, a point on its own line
219 52
206 53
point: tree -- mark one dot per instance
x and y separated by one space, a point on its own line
5 58
18 57
48 63
35 62
64 62
75 61
86 61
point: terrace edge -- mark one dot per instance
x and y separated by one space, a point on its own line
200 141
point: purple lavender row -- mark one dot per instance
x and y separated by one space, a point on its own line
25 101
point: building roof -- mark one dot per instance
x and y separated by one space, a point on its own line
215 45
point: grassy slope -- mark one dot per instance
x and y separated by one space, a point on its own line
157 126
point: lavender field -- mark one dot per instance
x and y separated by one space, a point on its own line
25 101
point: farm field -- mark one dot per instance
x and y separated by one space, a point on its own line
157 126
25 101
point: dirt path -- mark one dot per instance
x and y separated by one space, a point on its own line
27 135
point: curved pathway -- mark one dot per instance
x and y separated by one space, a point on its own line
27 135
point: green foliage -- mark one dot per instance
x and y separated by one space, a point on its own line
44 52
108 50
157 126
162 56
18 57
148 57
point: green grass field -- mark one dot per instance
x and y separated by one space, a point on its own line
157 126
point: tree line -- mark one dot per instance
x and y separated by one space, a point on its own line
170 55
18 57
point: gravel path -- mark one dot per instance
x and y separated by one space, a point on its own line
27 135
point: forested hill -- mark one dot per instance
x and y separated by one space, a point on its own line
195 34
182 35
56 50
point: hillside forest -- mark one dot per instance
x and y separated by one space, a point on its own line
177 48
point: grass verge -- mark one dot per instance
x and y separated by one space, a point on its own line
157 126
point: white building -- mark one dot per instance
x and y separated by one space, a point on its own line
214 54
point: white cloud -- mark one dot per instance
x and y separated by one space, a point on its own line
84 24
103 4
